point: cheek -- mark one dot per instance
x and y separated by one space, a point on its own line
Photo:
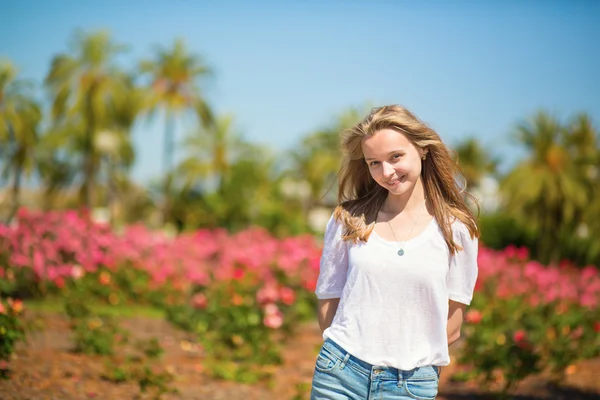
376 175
411 166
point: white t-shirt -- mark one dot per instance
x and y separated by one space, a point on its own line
393 309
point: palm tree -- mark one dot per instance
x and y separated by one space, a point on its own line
55 169
86 89
210 152
545 190
583 144
173 90
474 161
317 159
116 148
224 180
19 119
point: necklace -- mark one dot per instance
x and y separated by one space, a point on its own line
401 250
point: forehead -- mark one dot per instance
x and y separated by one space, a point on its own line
385 141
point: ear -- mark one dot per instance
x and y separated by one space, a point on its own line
424 152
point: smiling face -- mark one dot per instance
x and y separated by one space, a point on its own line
393 161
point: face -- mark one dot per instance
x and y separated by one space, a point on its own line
393 161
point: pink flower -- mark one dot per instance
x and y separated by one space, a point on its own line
577 332
473 316
288 296
267 294
2 309
270 309
523 253
273 320
77 272
199 301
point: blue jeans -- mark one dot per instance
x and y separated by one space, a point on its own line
339 375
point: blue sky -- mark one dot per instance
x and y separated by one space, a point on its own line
286 68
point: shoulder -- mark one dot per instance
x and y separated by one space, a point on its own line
335 223
461 231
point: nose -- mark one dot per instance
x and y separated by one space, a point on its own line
387 170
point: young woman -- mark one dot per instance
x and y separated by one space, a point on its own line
399 263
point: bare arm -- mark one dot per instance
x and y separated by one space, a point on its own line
456 312
326 312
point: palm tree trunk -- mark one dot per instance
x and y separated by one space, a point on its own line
88 167
16 190
110 195
167 165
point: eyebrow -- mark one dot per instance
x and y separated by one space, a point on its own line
391 152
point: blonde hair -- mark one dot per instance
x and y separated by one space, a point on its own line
361 198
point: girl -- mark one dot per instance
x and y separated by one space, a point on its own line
399 263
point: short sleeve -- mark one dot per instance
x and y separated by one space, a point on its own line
334 262
462 273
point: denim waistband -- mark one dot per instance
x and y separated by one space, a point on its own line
423 372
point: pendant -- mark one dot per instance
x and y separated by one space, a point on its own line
401 252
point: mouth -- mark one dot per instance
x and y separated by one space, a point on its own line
395 182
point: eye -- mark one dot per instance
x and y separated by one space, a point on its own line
396 156
373 163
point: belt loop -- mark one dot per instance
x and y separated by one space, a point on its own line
344 361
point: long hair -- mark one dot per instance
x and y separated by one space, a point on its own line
361 198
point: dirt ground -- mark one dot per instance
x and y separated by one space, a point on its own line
47 368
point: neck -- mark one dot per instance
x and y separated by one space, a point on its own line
410 202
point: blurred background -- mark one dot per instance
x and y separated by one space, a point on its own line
191 114
185 116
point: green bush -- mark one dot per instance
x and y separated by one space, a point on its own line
11 332
240 333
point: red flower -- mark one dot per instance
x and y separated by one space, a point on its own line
520 338
473 316
238 274
597 327
287 295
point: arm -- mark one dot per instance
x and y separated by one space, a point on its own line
326 312
456 312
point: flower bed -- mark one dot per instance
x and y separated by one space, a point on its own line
528 318
242 294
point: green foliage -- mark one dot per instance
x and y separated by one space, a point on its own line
92 334
500 230
493 348
243 191
151 348
11 331
509 339
20 116
474 161
90 96
553 190
97 335
233 328
144 370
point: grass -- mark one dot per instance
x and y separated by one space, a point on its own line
57 305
